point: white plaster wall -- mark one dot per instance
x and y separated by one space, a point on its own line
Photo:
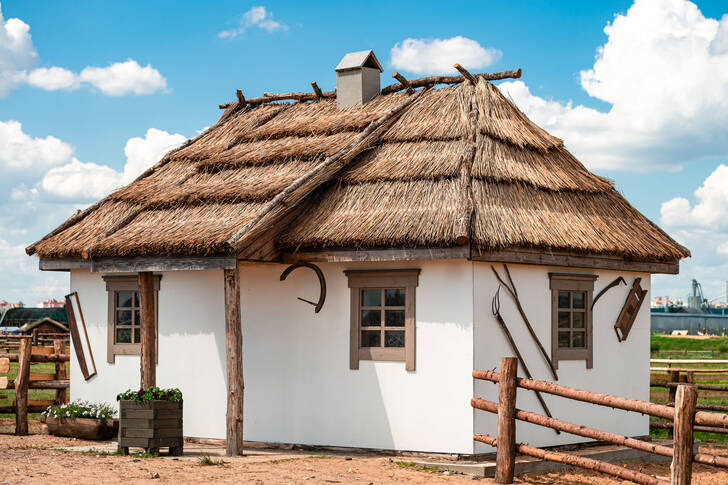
298 385
621 369
191 346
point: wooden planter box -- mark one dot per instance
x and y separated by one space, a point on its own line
150 425
82 428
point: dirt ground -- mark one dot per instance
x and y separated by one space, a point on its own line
36 459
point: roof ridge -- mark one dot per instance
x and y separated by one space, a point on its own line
289 197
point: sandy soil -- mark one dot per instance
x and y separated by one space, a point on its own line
35 459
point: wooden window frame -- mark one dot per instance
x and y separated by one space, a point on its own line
386 278
572 282
115 284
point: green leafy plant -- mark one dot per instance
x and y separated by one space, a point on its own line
81 409
207 461
152 393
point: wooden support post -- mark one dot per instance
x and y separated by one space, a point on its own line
404 82
148 330
317 91
672 376
21 386
682 459
59 347
466 74
505 461
241 98
234 353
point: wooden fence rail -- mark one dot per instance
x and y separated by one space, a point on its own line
684 417
25 379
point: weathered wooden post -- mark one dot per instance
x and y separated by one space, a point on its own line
505 461
147 331
21 386
682 456
234 353
672 376
59 348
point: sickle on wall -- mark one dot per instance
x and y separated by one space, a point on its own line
322 282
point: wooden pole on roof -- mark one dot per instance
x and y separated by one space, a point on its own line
147 331
241 98
466 74
404 82
234 358
317 90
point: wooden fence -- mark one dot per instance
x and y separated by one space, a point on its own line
25 379
683 415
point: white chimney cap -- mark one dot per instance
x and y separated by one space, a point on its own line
356 60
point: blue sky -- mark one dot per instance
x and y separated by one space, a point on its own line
97 76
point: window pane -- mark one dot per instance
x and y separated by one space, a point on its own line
394 338
371 318
394 297
579 320
137 318
123 317
563 339
394 318
137 335
123 335
123 299
579 300
371 297
578 339
136 299
564 320
371 338
563 299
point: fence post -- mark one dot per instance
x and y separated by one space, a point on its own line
672 376
21 386
505 461
59 348
682 455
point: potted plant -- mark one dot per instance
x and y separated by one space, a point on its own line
150 418
82 419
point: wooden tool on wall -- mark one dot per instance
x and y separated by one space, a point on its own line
75 329
631 307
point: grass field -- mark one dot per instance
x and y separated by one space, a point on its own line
34 394
663 347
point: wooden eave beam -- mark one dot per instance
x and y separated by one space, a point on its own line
571 260
134 264
404 254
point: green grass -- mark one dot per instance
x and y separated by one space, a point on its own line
719 347
33 394
416 466
207 461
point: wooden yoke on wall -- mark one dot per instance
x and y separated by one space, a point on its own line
631 307
75 329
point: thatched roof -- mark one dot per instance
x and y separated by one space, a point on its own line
398 171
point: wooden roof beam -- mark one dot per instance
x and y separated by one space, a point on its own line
432 80
466 74
317 90
404 82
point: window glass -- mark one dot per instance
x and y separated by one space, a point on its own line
123 318
564 320
123 335
579 300
371 297
579 320
578 340
124 299
394 318
394 297
564 299
137 335
563 339
371 318
371 338
394 338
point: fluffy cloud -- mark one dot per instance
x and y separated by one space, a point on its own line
664 70
18 57
122 78
80 181
710 209
437 56
17 53
255 17
24 157
142 153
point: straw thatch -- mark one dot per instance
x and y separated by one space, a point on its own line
407 183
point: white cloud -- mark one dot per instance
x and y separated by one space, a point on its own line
80 181
53 78
710 209
255 17
122 78
27 156
722 249
18 56
437 56
664 70
17 53
142 153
